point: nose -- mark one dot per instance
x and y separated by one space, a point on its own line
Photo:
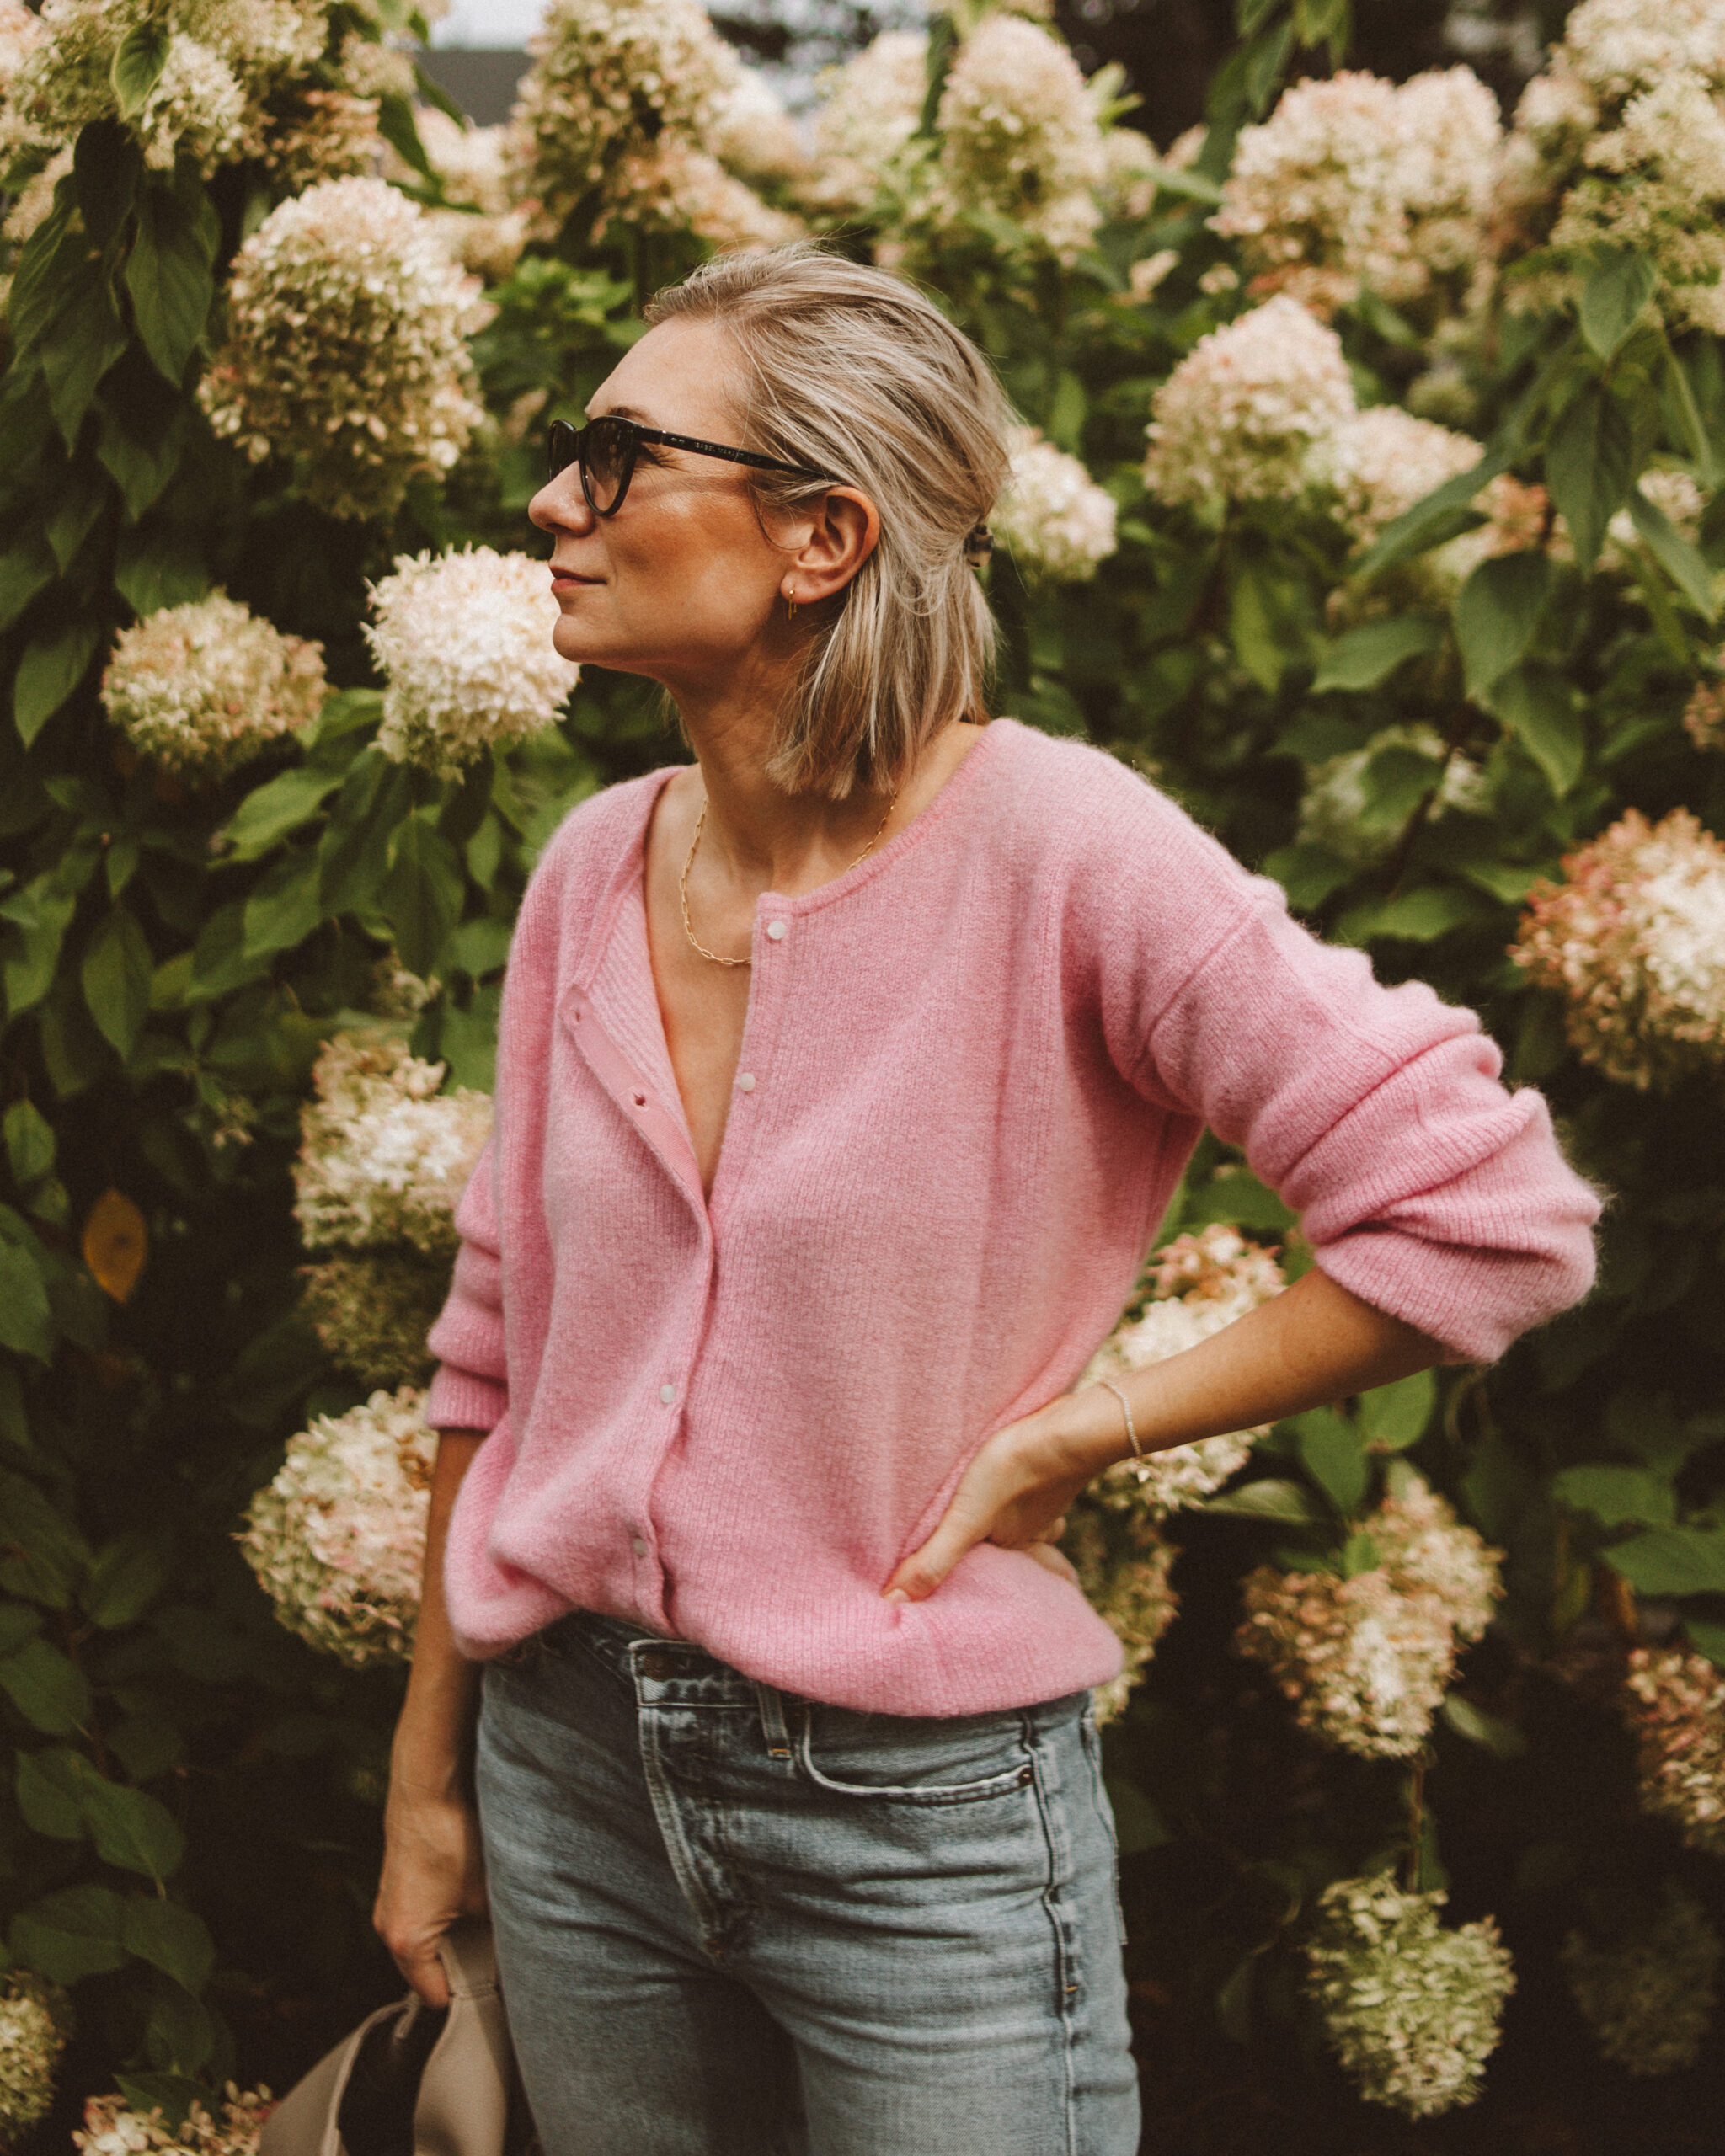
560 506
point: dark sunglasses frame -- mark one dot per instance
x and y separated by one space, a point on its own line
567 444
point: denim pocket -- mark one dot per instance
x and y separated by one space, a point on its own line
903 1760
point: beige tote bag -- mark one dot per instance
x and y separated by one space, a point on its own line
412 2080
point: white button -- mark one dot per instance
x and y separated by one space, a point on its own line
639 1543
667 1393
778 930
745 1084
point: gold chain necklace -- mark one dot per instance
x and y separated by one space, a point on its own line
689 862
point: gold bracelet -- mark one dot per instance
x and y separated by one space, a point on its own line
1140 1466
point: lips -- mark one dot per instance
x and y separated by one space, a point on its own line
564 577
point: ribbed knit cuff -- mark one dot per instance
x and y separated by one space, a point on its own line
460 1400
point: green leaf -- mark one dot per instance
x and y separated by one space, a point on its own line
1417 916
354 851
49 1690
283 909
125 1576
1360 1554
1491 1733
395 124
1496 612
25 569
1707 1636
133 1830
80 504
55 265
42 912
85 341
1240 1200
1614 298
1672 1561
71 1934
1431 521
1540 709
49 1793
26 1325
1271 1501
421 895
1253 626
172 1939
51 668
1674 553
1590 468
1370 655
1617 1494
107 164
138 60
280 806
115 975
140 448
173 2094
1138 1825
219 963
1394 1416
1307 873
29 1143
169 277
1330 1452
42 1554
155 568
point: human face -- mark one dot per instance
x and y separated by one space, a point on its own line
683 582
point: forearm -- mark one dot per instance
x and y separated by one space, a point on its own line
1317 1344
432 1736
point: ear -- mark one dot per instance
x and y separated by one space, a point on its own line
843 531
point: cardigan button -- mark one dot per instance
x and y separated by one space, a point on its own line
667 1393
638 1543
745 1083
778 930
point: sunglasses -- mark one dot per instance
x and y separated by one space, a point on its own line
606 449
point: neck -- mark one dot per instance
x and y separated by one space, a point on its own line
767 839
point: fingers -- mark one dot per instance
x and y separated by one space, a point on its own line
1054 1561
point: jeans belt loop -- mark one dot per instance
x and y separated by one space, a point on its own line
772 1720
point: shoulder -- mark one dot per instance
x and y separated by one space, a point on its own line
1103 829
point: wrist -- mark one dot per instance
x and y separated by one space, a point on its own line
1089 1430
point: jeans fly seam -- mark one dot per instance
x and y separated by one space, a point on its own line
682 1856
1045 1783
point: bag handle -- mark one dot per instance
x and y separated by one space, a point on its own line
463 2104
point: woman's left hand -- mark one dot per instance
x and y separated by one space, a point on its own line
1014 1493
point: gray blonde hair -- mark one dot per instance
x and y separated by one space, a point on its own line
857 373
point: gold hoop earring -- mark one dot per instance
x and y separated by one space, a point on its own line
790 608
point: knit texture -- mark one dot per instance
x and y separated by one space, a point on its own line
982 1057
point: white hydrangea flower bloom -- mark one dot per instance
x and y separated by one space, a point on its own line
611 79
338 1539
384 1155
1617 47
1385 460
1020 135
1053 518
869 112
1648 1994
677 186
1130 171
755 138
112 2127
1252 412
1411 2010
464 641
1674 1704
20 34
1198 1285
200 688
346 347
33 2018
1337 813
372 1309
1365 1661
1677 494
1634 939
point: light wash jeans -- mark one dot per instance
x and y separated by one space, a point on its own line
731 1923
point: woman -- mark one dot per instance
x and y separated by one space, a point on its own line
844 1075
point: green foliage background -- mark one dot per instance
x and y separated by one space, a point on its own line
189 1816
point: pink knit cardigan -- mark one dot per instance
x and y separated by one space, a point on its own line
973 1069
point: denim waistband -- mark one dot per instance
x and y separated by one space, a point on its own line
666 1670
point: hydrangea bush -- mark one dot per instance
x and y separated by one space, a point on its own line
1365 497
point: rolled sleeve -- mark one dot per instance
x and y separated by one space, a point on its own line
470 1390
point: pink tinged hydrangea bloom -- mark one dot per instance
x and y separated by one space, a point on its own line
384 1155
1123 1567
1674 1703
1412 2011
1019 134
346 348
1053 519
869 115
1252 412
114 2127
1198 1285
338 1539
1634 939
200 689
1647 1992
1365 1661
464 643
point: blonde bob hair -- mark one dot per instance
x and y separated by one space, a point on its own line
857 373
